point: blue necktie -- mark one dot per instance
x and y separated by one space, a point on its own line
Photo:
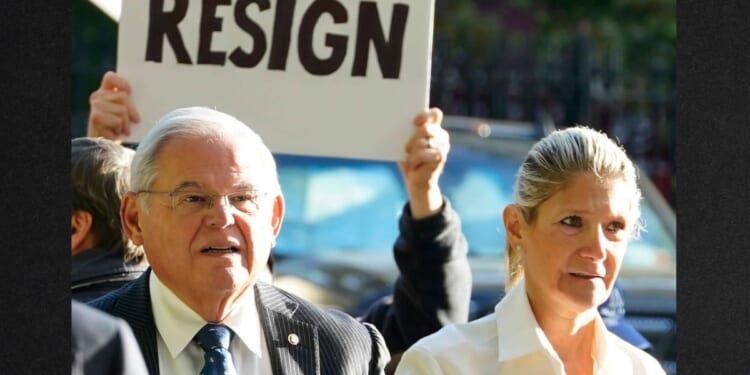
215 339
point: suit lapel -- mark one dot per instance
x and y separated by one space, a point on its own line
292 343
134 305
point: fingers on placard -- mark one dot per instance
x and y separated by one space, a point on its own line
427 155
436 115
102 124
421 118
132 111
415 141
433 115
115 82
115 107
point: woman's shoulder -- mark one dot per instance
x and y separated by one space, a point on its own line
475 335
643 363
465 348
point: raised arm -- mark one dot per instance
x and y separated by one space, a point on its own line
434 285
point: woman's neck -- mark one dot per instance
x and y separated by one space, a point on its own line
572 334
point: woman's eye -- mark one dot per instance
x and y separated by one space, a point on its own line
572 221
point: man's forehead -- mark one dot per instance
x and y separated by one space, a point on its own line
236 182
212 163
244 148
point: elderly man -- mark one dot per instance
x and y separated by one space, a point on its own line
205 203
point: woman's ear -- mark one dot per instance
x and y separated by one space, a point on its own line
513 220
129 217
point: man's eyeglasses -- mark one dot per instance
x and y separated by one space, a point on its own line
187 202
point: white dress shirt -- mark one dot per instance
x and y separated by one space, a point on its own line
511 342
177 324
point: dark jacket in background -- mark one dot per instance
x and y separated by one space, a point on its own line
102 344
434 284
98 271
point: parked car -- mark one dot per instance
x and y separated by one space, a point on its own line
335 246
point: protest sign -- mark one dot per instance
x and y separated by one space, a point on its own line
312 77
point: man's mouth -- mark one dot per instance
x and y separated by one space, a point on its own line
220 250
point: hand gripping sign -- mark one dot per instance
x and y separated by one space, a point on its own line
312 77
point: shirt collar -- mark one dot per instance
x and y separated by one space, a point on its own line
177 323
516 320
602 344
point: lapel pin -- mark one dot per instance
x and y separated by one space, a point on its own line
293 339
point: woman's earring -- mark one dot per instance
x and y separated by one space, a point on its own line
518 248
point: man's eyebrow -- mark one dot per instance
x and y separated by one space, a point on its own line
245 186
188 184
198 185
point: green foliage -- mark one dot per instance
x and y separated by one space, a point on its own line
94 47
642 31
631 39
466 31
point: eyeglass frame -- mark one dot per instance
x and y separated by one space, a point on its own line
210 197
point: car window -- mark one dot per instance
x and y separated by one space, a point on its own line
480 185
338 204
654 251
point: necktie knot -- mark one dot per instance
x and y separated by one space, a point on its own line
214 339
214 336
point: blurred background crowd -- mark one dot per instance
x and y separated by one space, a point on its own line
609 64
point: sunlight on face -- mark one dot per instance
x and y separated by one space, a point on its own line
219 250
574 248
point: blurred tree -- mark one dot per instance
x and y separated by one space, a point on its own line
642 31
569 61
94 46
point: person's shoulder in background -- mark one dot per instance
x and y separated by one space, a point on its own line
102 344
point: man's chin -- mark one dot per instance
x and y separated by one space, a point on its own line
239 285
232 281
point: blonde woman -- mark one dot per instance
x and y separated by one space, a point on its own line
576 208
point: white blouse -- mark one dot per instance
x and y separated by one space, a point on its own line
510 341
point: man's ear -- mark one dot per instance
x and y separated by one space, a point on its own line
278 214
82 237
130 216
514 221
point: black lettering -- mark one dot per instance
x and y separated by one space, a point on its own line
282 34
369 29
307 57
161 24
209 24
238 56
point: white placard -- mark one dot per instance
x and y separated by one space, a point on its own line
286 68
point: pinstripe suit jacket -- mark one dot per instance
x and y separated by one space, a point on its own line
331 342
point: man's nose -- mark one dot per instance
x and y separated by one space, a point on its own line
220 212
